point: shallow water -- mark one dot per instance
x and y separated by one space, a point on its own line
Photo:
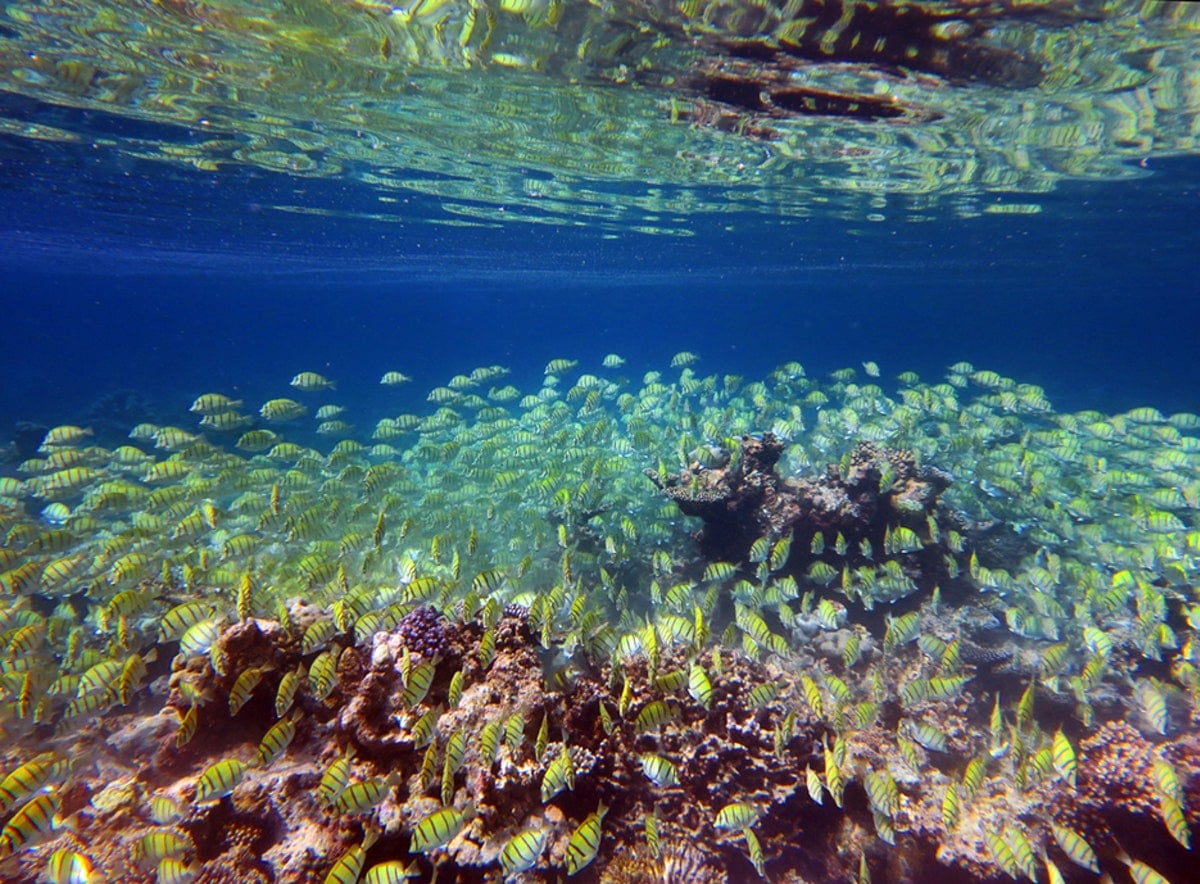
978 258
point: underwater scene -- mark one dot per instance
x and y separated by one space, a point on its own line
624 441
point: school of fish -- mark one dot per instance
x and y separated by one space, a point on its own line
125 568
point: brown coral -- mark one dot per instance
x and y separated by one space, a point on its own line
875 492
1115 779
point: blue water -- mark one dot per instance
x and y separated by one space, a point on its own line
171 285
128 288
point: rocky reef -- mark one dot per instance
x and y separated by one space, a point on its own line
872 527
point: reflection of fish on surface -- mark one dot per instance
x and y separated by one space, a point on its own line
761 59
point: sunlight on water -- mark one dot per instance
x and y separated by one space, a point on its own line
626 114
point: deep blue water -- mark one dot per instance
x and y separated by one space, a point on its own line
173 284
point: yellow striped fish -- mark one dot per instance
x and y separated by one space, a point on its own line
27 778
522 851
67 866
334 781
349 867
363 796
172 870
311 382
659 770
436 830
393 871
276 740
285 695
243 687
585 841
36 818
158 844
738 815
219 779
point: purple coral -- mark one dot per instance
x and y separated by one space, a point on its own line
423 633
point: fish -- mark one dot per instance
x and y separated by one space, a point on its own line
417 684
559 775
584 843
317 635
67 866
363 796
349 865
522 851
1139 871
219 780
654 715
951 807
700 687
1054 874
659 770
542 738
816 789
436 830
243 687
835 779
28 777
311 382
282 410
489 741
1175 820
334 781
901 630
255 441
394 378
322 674
159 844
33 820
285 694
882 793
226 421
188 723
392 871
739 815
276 740
762 694
214 403
1022 851
1064 758
650 829
928 735
164 810
1153 704
1075 847
67 434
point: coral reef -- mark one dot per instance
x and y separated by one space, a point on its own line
112 414
877 507
490 659
26 437
777 736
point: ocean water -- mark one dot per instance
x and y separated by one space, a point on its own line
1095 298
981 253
